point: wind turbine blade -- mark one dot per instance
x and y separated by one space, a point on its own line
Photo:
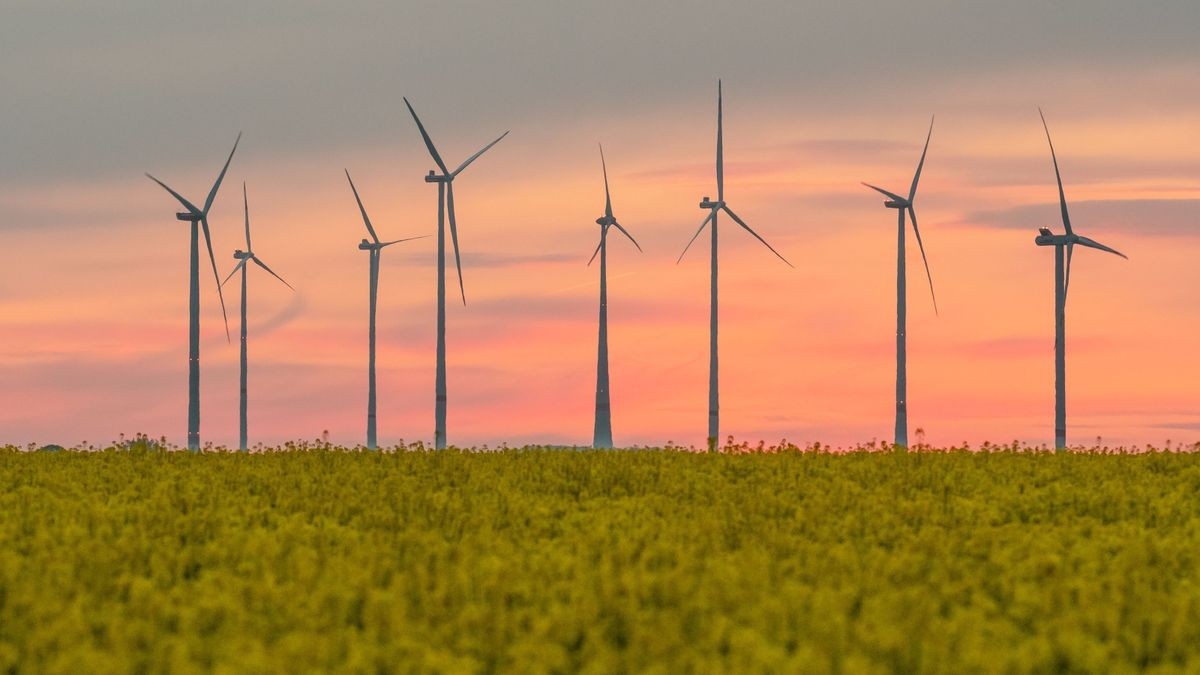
213 259
454 239
428 141
246 206
626 233
270 271
891 195
1067 280
596 252
397 241
475 156
741 222
1092 243
361 208
186 204
1062 197
720 148
690 241
212 194
920 244
607 198
240 265
912 192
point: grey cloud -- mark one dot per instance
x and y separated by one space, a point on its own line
1141 216
57 214
97 88
293 310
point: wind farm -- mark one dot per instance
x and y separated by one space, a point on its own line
602 433
657 460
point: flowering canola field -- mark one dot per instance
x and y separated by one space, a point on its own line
541 561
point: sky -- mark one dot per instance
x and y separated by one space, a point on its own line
93 285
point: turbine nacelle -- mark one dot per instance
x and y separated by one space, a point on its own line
1047 238
188 217
366 245
709 204
435 177
605 221
894 204
239 254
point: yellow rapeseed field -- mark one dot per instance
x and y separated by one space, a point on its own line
544 561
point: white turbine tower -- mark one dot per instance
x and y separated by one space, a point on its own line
1062 280
713 208
903 205
445 183
602 432
244 257
373 247
199 220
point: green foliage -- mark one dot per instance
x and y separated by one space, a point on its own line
532 561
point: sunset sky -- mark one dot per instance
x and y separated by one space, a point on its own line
93 286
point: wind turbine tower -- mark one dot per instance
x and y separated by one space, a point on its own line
244 257
904 205
1062 281
602 432
372 246
713 208
445 183
199 221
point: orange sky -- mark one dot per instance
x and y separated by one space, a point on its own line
93 294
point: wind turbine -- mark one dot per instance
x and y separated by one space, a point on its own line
1062 281
602 432
244 257
445 182
199 220
713 208
902 205
372 246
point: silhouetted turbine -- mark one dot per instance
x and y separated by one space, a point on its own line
602 432
902 205
714 207
1062 280
243 257
445 182
199 219
373 246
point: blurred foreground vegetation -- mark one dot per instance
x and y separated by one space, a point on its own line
529 561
